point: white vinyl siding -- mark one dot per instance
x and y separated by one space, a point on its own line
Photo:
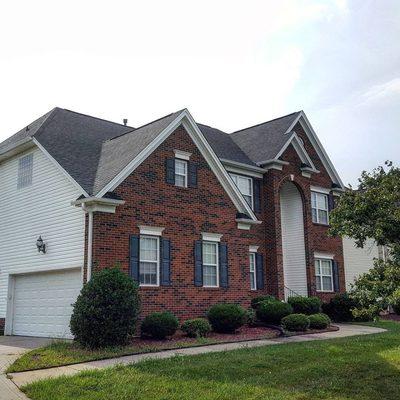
253 275
149 266
25 171
181 173
319 208
45 209
210 264
293 244
358 260
245 186
324 275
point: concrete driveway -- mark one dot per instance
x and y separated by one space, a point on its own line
11 347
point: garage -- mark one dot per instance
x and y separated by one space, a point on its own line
42 303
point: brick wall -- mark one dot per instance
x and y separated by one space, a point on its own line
184 213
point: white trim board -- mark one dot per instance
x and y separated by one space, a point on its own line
185 119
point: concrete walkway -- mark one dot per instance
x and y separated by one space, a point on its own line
346 330
12 347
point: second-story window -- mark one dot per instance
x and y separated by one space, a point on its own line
319 208
25 171
181 172
245 186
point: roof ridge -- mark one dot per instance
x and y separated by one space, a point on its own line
266 122
91 116
142 126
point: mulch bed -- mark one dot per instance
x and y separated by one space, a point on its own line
180 340
391 317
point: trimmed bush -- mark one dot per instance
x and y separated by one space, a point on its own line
296 322
319 321
159 325
251 317
272 312
364 314
226 317
339 308
305 305
259 299
395 301
198 327
106 310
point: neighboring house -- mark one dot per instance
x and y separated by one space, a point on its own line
195 215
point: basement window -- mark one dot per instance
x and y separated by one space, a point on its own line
25 171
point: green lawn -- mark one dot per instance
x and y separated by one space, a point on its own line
364 367
61 353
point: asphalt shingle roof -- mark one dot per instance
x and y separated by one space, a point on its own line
263 142
93 151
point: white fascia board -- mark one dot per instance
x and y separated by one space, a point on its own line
242 171
207 152
312 136
60 168
243 166
99 200
320 189
16 148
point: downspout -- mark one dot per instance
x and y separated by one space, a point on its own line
90 247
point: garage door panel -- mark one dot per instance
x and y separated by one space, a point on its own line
43 303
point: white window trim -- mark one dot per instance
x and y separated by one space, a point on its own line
252 254
158 261
211 237
316 208
322 275
253 249
183 155
251 187
184 175
323 255
150 230
212 265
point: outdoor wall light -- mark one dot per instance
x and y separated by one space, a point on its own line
41 246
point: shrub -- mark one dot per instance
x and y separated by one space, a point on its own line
226 317
198 327
395 301
339 308
106 310
319 321
365 314
159 325
251 317
272 312
296 322
259 299
305 305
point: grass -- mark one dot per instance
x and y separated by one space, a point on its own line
61 353
355 368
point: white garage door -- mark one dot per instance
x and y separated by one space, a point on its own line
42 303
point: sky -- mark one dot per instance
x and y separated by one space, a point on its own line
232 63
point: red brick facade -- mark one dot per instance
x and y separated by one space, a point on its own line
187 212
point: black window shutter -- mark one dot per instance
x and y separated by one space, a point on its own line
331 202
165 250
223 265
335 273
134 257
257 195
260 271
192 178
170 171
198 263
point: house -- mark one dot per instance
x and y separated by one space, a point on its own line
195 215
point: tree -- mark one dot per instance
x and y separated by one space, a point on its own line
373 212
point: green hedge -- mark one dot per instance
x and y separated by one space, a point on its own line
198 327
319 321
296 322
226 317
305 305
159 325
272 312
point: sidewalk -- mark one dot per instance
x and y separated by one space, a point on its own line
346 330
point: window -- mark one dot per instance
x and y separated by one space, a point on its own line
210 264
319 208
181 175
245 186
149 266
25 171
323 274
253 278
